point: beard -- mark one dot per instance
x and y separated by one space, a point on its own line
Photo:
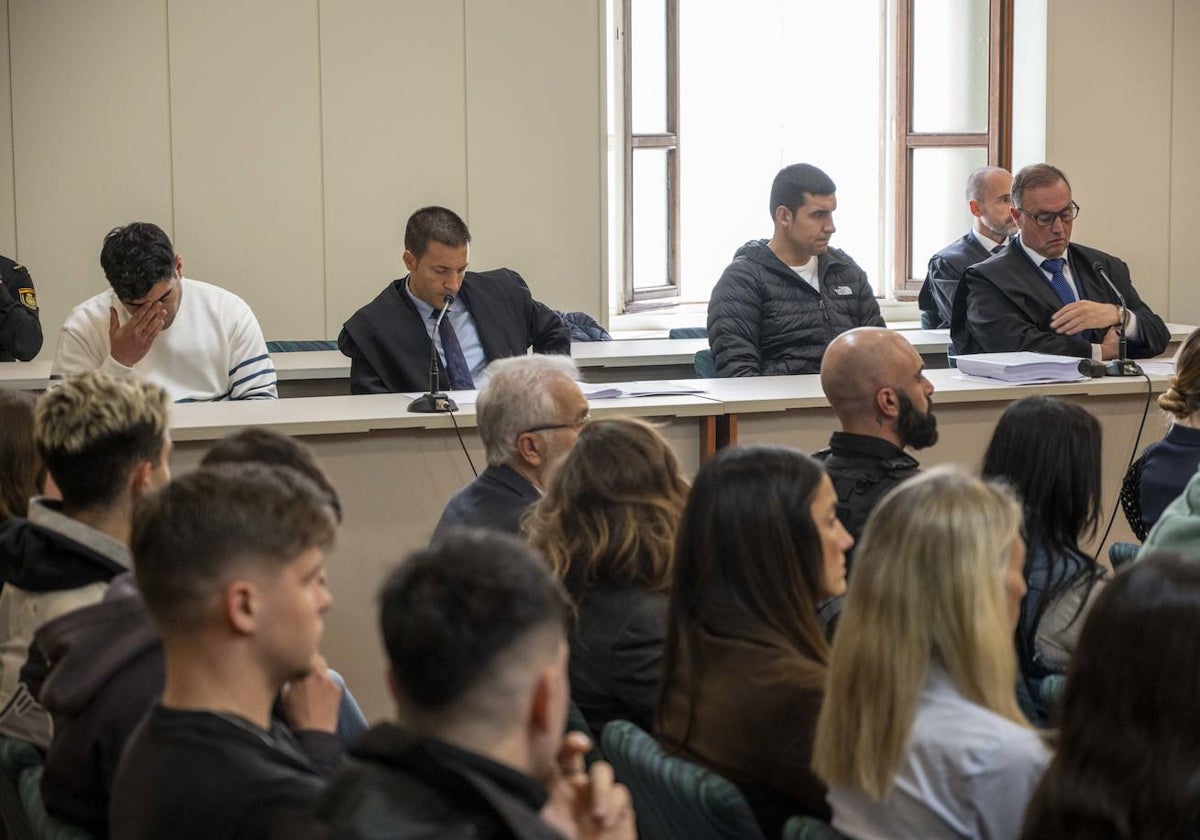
916 429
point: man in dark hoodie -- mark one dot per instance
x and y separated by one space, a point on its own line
780 302
105 443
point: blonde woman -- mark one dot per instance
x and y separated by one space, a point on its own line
919 734
607 525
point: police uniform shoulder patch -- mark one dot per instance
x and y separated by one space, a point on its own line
28 298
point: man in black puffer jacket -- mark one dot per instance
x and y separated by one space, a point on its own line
780 302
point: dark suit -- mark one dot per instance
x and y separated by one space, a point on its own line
388 342
20 329
946 269
497 499
1005 304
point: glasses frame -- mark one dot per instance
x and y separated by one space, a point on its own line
578 424
1047 218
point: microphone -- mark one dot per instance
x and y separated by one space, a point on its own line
1121 366
435 402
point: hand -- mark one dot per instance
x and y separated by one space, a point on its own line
1082 315
313 702
129 344
584 803
1108 347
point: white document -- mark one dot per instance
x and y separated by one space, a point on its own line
1021 368
616 390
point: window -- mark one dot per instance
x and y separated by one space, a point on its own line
719 97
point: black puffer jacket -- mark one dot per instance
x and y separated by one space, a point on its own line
764 319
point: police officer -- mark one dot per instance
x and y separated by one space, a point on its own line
20 329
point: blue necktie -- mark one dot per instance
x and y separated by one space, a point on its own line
456 362
1058 280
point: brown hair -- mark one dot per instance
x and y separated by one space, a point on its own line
612 508
22 472
1182 399
1033 176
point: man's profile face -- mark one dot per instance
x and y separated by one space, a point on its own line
167 293
916 424
438 272
809 227
571 410
995 208
1052 240
293 600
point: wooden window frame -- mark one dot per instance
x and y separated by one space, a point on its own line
997 139
652 296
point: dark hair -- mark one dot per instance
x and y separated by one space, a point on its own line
450 609
612 509
22 473
1128 758
93 430
136 258
191 533
748 546
1182 399
435 224
263 446
1049 450
794 184
1033 176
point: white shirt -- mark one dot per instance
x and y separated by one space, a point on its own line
987 242
808 272
965 772
213 350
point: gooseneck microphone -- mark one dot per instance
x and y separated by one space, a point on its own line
435 402
1121 366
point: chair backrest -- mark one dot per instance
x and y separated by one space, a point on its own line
675 799
706 365
810 828
300 346
687 332
1121 553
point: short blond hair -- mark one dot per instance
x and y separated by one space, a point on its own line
93 429
928 590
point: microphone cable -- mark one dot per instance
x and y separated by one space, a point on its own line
1132 456
462 443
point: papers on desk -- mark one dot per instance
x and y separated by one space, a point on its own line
1021 368
616 390
1161 367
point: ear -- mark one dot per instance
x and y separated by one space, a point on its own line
179 265
139 479
974 205
410 261
783 216
527 449
239 603
887 403
541 704
1016 214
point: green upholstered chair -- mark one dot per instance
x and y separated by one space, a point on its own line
299 346
706 366
16 756
687 332
675 799
810 828
1122 553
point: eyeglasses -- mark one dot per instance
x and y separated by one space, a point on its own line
578 424
1068 214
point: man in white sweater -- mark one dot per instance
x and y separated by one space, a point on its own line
199 342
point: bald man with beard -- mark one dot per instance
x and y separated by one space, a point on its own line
875 381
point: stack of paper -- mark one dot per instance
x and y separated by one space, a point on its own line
1021 367
615 390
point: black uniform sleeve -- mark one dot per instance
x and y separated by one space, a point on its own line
20 328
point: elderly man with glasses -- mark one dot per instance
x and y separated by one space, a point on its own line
529 415
1047 294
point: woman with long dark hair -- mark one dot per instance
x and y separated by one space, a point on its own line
745 663
1128 758
607 525
1049 451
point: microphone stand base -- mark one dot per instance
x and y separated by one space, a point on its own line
432 404
1123 367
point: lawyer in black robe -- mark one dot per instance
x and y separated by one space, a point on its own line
946 269
1005 304
388 342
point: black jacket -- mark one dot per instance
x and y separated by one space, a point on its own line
946 269
497 499
388 342
1159 475
20 328
616 654
398 786
764 319
863 469
1005 305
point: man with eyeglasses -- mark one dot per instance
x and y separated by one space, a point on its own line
529 415
989 198
198 341
1044 293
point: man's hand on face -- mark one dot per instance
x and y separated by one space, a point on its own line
585 802
130 343
1082 315
313 701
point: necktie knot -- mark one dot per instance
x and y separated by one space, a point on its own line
1054 266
